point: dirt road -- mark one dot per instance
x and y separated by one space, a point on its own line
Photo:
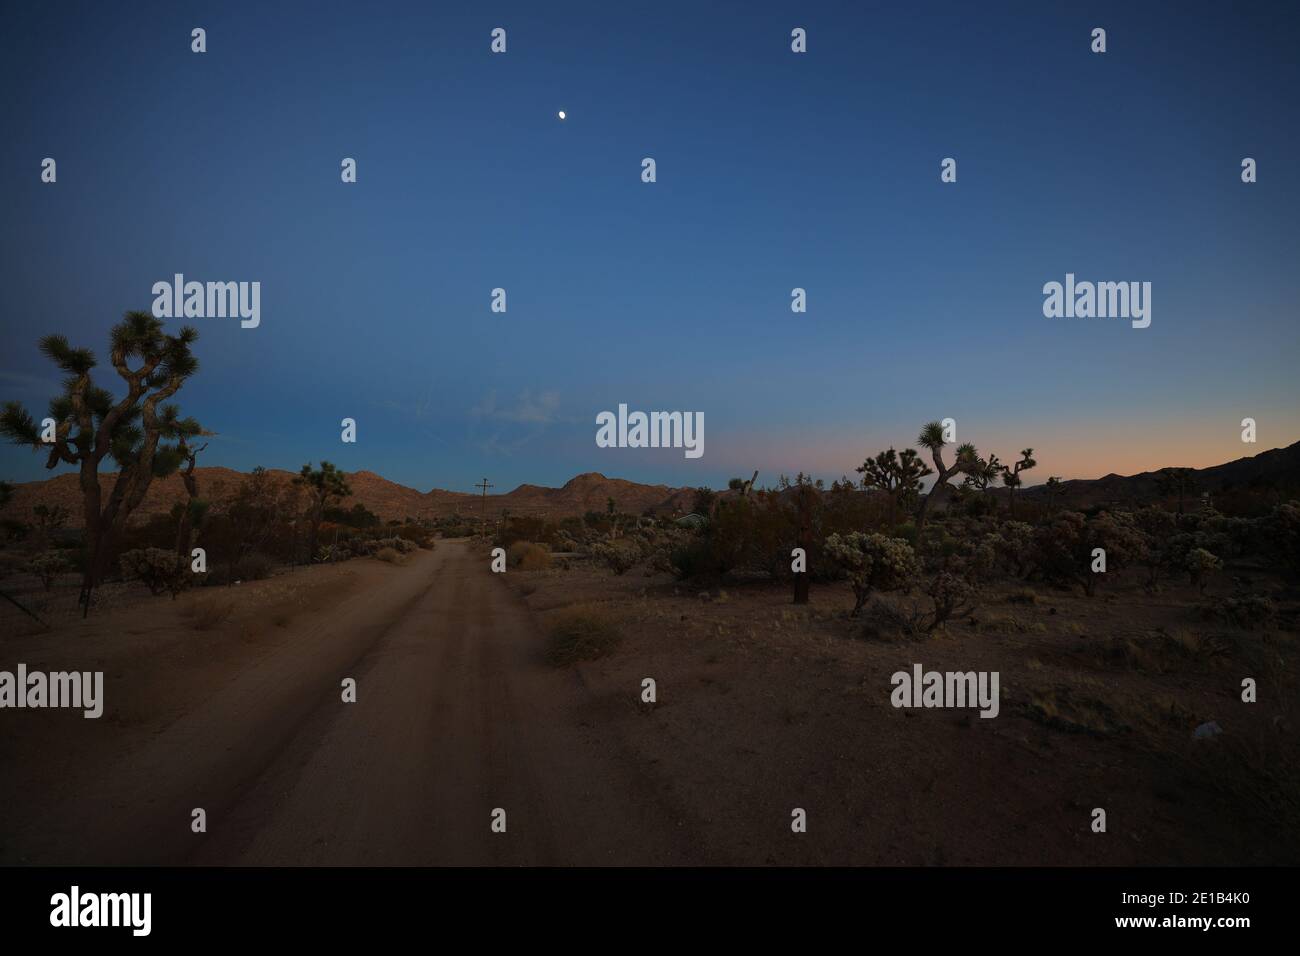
456 715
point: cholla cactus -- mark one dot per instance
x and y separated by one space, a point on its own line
47 566
161 569
1200 565
621 556
873 562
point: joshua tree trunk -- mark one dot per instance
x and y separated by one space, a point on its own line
801 582
185 531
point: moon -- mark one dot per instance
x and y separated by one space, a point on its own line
561 114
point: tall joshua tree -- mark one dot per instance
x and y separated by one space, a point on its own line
1011 477
91 424
323 485
1053 489
192 510
931 437
1176 481
899 476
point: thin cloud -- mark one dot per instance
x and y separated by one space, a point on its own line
528 409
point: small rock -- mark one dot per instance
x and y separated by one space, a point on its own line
1211 729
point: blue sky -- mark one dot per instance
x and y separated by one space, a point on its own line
775 170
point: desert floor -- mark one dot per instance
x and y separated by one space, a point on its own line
230 700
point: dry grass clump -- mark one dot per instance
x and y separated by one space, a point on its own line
390 555
581 632
210 613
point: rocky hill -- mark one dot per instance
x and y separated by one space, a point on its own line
591 491
388 499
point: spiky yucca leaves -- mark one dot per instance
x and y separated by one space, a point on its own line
898 475
1011 477
1053 489
932 438
91 424
983 473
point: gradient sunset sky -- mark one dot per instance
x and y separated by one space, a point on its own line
775 170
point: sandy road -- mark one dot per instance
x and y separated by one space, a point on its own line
456 715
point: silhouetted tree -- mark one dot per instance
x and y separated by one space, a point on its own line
323 484
931 437
899 476
1011 477
91 424
1176 481
1053 489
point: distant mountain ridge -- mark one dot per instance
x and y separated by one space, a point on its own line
591 491
1279 466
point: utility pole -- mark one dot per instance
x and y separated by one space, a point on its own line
483 510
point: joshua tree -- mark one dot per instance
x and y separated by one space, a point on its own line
90 424
1011 477
192 511
323 485
899 476
931 437
1176 481
806 498
983 473
1053 489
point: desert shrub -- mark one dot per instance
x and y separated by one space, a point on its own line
619 556
953 594
1063 550
359 516
581 633
400 544
1280 535
160 569
1200 564
1012 547
1023 596
525 528
48 566
1250 612
255 567
390 555
873 562
528 556
417 535
703 501
691 559
332 553
210 613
